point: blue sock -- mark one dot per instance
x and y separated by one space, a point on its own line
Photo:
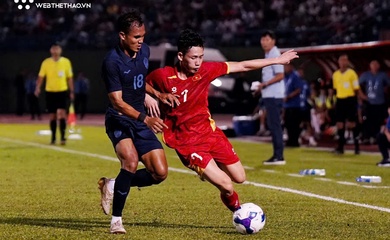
121 190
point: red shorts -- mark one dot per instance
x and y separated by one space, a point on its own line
198 156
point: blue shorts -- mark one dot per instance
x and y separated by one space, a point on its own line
143 138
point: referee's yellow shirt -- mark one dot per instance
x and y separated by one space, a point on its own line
56 73
345 83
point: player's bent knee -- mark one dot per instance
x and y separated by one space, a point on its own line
240 179
158 178
130 166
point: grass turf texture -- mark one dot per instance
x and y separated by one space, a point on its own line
51 194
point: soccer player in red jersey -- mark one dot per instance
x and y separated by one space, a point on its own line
191 131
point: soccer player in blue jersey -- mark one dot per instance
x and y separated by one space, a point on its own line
130 130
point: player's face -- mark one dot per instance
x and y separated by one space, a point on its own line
374 66
55 51
343 62
192 60
267 43
132 41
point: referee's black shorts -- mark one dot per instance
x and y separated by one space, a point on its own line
56 100
346 109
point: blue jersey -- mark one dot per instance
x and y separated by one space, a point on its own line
122 73
304 96
81 86
292 82
375 86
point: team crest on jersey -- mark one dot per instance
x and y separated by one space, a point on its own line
146 63
196 77
117 133
174 90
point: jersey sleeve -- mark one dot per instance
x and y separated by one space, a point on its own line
355 80
154 78
69 70
216 69
388 123
276 68
334 82
363 78
110 75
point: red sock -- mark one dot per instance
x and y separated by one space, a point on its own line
232 202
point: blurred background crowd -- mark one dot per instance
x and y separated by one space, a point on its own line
221 22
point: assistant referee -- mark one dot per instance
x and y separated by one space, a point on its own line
57 71
346 84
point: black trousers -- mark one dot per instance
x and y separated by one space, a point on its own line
376 115
383 145
292 121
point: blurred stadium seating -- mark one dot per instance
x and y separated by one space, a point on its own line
222 22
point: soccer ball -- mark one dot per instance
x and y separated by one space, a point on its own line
249 218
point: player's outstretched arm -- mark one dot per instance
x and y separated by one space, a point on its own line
254 64
166 98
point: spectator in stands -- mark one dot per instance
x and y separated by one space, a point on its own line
375 83
238 21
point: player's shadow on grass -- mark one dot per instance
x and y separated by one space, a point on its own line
68 223
89 224
157 224
16 147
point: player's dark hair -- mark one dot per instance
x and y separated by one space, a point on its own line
188 39
56 44
125 21
343 55
375 59
269 33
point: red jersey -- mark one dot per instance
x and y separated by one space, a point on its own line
190 122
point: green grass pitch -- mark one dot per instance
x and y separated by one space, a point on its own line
50 192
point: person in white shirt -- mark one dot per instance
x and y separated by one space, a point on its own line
272 90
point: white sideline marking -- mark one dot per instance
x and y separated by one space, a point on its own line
326 198
294 175
269 171
324 179
289 190
347 183
369 186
